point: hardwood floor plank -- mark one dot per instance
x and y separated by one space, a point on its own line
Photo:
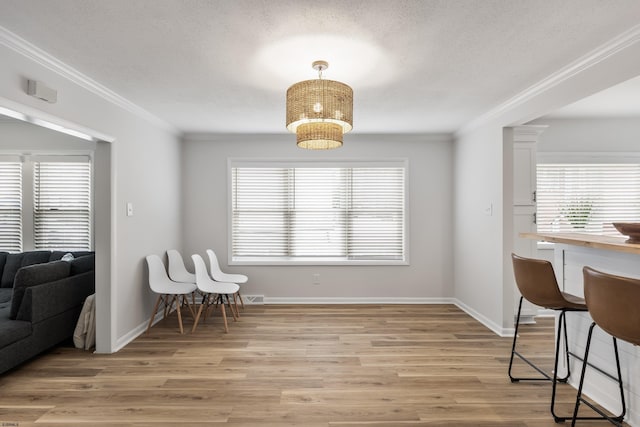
295 365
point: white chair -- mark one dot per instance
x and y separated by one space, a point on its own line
177 271
214 292
167 290
219 276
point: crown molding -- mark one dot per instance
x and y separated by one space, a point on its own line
34 53
608 49
528 133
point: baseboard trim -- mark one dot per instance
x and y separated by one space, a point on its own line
497 329
356 300
127 338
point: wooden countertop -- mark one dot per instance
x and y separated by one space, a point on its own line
612 243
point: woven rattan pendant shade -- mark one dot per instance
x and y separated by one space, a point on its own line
319 111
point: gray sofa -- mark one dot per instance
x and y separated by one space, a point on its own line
40 300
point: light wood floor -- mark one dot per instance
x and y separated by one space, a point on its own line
338 366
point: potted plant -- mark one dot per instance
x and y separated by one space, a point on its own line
577 212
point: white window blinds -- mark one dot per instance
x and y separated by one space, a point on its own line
62 205
11 206
318 213
587 198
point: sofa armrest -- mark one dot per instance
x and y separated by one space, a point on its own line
43 301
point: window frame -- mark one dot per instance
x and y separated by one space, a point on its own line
28 161
302 163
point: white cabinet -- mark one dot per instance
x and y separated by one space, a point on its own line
524 171
525 140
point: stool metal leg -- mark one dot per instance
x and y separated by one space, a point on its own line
617 420
561 334
545 376
562 324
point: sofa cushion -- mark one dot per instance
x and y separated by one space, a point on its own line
82 264
35 257
78 254
13 330
35 275
23 259
5 294
3 260
11 266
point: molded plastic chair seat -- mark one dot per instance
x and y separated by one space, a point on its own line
214 287
214 292
537 283
177 271
167 290
218 275
613 303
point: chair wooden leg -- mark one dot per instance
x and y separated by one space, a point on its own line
185 300
155 310
178 304
165 309
241 301
233 313
224 315
195 321
214 304
168 306
236 296
207 307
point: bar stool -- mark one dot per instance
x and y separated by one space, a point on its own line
537 283
613 305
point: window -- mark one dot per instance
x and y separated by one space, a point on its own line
587 198
11 206
62 205
45 203
318 213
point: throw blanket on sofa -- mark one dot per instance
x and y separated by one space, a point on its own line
84 336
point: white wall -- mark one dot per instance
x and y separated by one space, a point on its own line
21 137
478 236
481 256
145 163
589 134
429 274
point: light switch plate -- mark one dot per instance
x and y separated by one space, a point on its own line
129 209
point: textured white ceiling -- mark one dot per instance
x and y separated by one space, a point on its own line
224 66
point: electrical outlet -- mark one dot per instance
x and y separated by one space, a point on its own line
316 278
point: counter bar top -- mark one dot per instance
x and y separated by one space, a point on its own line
612 243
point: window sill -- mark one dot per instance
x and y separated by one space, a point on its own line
314 261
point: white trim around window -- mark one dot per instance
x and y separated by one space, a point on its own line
302 212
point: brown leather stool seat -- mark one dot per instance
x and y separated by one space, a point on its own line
613 303
537 283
